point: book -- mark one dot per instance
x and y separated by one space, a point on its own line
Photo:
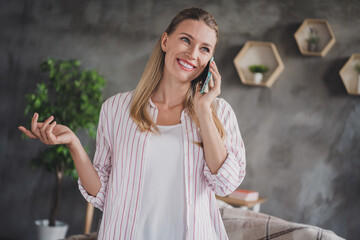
246 195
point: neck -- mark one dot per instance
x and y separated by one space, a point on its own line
170 93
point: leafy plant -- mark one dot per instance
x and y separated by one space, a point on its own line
357 67
73 96
314 38
258 68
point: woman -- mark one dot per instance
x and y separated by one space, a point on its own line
163 150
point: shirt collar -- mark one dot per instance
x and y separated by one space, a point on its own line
151 103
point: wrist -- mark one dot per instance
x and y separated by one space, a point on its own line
74 142
204 113
203 109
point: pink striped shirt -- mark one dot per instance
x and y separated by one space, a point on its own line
120 160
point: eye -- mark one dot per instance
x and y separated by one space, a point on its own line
205 49
185 39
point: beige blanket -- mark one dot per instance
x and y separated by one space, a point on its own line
248 225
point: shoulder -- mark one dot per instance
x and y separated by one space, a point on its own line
222 106
113 103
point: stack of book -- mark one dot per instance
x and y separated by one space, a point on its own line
246 195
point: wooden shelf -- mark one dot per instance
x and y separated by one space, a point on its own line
264 53
324 32
238 202
349 75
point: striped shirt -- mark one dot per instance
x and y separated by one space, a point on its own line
120 160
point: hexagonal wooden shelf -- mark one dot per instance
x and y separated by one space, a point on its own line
263 53
323 31
349 75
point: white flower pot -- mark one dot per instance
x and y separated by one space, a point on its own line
313 47
258 77
45 232
358 86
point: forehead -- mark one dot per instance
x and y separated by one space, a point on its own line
198 29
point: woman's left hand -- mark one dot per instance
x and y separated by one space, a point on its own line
203 101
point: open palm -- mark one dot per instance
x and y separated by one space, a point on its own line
48 132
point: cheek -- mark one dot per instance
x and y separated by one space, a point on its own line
203 66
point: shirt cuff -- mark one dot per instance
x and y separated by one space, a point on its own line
230 174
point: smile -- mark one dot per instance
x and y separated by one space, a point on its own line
184 65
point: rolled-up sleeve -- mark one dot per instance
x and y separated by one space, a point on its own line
102 160
232 171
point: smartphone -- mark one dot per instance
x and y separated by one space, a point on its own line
206 77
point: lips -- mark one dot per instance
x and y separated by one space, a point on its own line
185 65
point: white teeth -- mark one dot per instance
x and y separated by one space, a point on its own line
185 64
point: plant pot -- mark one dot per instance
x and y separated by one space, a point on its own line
45 232
258 77
313 47
358 86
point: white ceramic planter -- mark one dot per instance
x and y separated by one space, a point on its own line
45 232
258 77
313 47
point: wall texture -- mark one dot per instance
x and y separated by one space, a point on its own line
302 135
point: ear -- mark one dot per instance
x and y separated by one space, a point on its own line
164 40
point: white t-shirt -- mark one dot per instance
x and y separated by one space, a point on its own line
163 205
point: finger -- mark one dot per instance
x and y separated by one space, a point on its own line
213 65
28 133
44 127
216 77
217 85
49 133
211 83
215 69
34 128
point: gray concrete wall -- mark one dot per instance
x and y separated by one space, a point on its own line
302 135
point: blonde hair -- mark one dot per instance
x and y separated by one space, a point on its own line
153 73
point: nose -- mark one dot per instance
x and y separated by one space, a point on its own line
191 53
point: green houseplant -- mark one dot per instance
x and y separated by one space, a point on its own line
74 97
313 41
357 68
258 70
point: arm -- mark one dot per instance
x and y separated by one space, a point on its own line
214 147
232 170
51 133
102 162
87 173
224 167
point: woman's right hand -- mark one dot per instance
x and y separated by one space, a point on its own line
49 132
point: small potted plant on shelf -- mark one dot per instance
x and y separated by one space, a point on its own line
73 96
357 68
258 70
313 41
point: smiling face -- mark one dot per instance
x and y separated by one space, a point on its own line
188 50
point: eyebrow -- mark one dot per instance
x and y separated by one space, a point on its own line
190 36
